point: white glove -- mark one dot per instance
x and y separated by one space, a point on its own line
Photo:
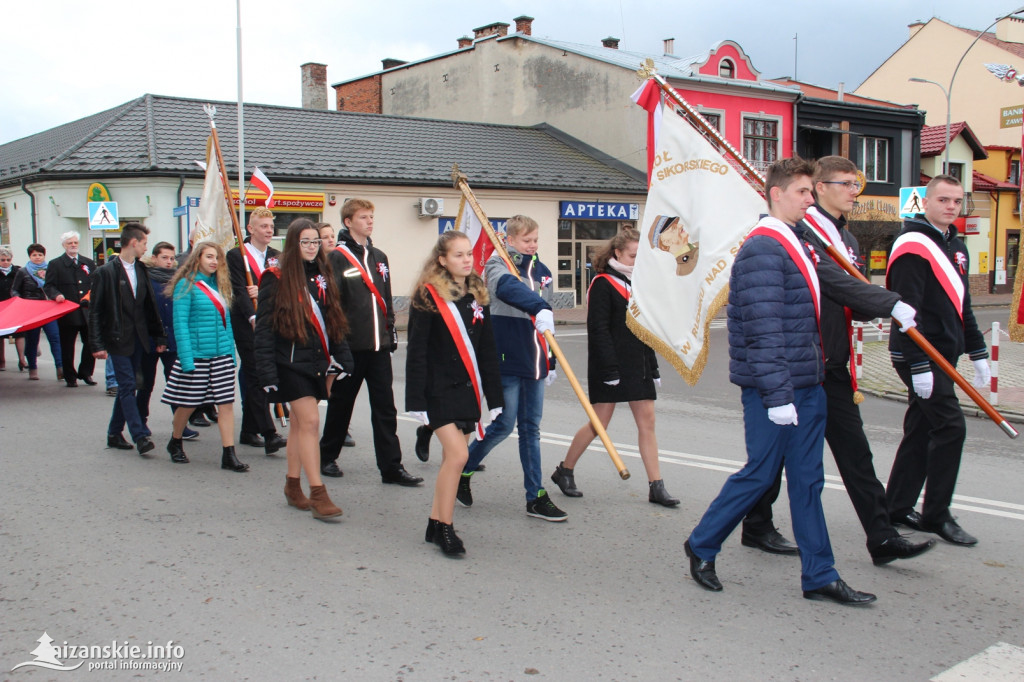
657 381
904 314
550 378
982 374
421 417
923 384
544 321
613 382
268 389
783 415
495 412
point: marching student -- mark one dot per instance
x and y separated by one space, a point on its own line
451 365
363 278
329 241
521 310
300 348
255 255
620 367
204 371
775 357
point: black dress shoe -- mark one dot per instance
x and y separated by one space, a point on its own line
951 532
898 548
331 469
423 434
229 461
198 419
88 381
72 384
840 593
118 441
274 443
401 477
252 439
911 520
349 442
771 542
211 414
144 445
177 452
703 572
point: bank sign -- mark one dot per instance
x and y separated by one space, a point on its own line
597 210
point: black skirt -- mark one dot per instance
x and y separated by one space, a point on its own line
292 385
626 392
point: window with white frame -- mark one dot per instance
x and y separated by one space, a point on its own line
761 141
875 155
726 69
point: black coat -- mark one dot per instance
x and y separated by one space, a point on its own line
436 380
26 286
613 351
7 281
64 278
275 353
369 327
241 305
117 317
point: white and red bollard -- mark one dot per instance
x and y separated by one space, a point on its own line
860 351
994 388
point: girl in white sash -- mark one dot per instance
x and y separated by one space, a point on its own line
300 347
204 372
451 367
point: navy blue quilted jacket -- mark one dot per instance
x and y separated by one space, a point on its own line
774 343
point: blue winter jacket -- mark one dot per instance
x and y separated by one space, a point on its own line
774 343
521 351
198 328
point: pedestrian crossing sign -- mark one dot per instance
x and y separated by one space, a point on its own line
911 201
103 215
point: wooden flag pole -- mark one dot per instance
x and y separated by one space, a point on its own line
460 182
757 181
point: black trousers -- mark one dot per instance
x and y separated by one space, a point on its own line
844 433
373 367
69 333
255 408
145 389
934 431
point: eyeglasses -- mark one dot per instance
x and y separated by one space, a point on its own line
306 243
851 185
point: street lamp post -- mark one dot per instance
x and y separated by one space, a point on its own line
949 108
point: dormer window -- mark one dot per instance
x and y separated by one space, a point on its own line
726 69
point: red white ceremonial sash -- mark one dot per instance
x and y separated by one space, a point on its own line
367 280
254 266
782 233
920 245
216 299
457 328
827 232
619 286
317 318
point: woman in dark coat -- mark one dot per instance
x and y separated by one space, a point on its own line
620 367
28 283
7 272
300 347
451 366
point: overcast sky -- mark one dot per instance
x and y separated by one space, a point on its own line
61 60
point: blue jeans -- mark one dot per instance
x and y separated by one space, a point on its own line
524 401
126 409
110 373
32 338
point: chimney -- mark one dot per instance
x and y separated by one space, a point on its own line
1010 29
498 28
610 42
390 63
314 86
840 92
914 28
670 46
465 41
523 25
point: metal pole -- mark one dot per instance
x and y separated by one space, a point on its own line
241 123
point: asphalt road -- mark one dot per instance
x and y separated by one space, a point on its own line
102 545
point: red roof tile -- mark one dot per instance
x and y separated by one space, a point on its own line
984 182
933 139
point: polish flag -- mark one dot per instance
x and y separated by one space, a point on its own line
467 222
264 184
648 96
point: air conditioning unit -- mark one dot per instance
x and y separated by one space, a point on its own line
430 207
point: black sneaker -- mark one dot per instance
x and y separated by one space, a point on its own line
464 495
544 508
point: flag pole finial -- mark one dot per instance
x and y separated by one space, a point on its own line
457 175
646 70
211 111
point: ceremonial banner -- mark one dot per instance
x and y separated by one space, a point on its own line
213 221
467 223
1017 307
698 212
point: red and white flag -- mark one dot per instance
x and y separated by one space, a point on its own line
467 223
648 96
264 184
1017 305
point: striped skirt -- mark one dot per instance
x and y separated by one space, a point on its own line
212 382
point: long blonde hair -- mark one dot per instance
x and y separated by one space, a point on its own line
190 269
434 273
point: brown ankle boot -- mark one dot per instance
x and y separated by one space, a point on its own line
293 493
321 504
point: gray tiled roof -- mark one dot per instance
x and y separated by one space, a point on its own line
156 135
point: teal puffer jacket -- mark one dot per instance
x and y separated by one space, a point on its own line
199 330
